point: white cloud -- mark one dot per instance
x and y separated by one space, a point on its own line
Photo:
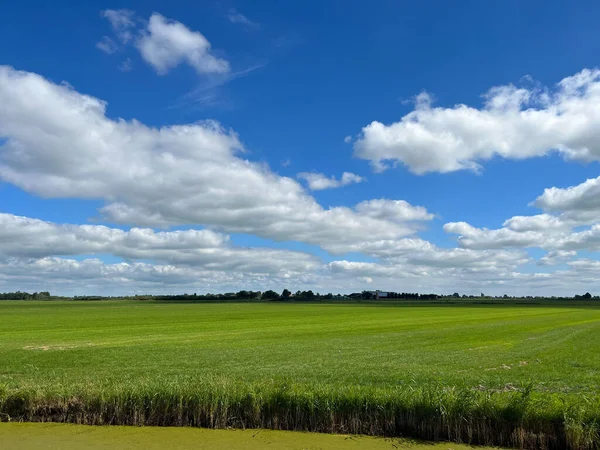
551 239
362 269
514 123
236 17
427 268
588 239
92 276
394 210
556 257
163 43
579 203
167 43
568 209
122 22
383 248
483 238
23 237
319 181
539 222
202 260
59 143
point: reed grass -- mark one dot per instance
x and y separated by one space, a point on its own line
521 419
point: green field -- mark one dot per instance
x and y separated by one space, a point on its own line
504 375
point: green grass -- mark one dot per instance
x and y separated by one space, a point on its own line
25 436
504 375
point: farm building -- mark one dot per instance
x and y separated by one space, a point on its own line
379 294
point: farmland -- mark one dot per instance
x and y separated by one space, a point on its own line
487 374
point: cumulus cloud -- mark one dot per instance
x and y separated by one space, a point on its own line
92 276
60 143
432 269
162 43
319 181
23 237
203 260
580 203
556 257
483 238
167 43
514 123
539 222
557 230
394 210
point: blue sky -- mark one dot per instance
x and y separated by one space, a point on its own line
311 91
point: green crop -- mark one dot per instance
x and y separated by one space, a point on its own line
523 376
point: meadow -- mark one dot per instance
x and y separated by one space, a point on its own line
508 375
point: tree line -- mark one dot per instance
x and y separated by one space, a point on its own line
286 294
24 295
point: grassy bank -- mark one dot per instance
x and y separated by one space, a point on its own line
491 375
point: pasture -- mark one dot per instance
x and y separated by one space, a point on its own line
499 375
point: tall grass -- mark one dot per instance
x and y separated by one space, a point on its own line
521 419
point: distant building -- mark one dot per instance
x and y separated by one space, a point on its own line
379 294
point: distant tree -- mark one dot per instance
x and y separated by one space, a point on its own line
587 295
286 294
328 296
270 295
456 294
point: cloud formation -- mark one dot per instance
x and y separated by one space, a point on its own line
569 224
163 43
59 143
514 123
122 22
579 203
319 181
23 237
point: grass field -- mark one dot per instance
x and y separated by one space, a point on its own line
503 375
